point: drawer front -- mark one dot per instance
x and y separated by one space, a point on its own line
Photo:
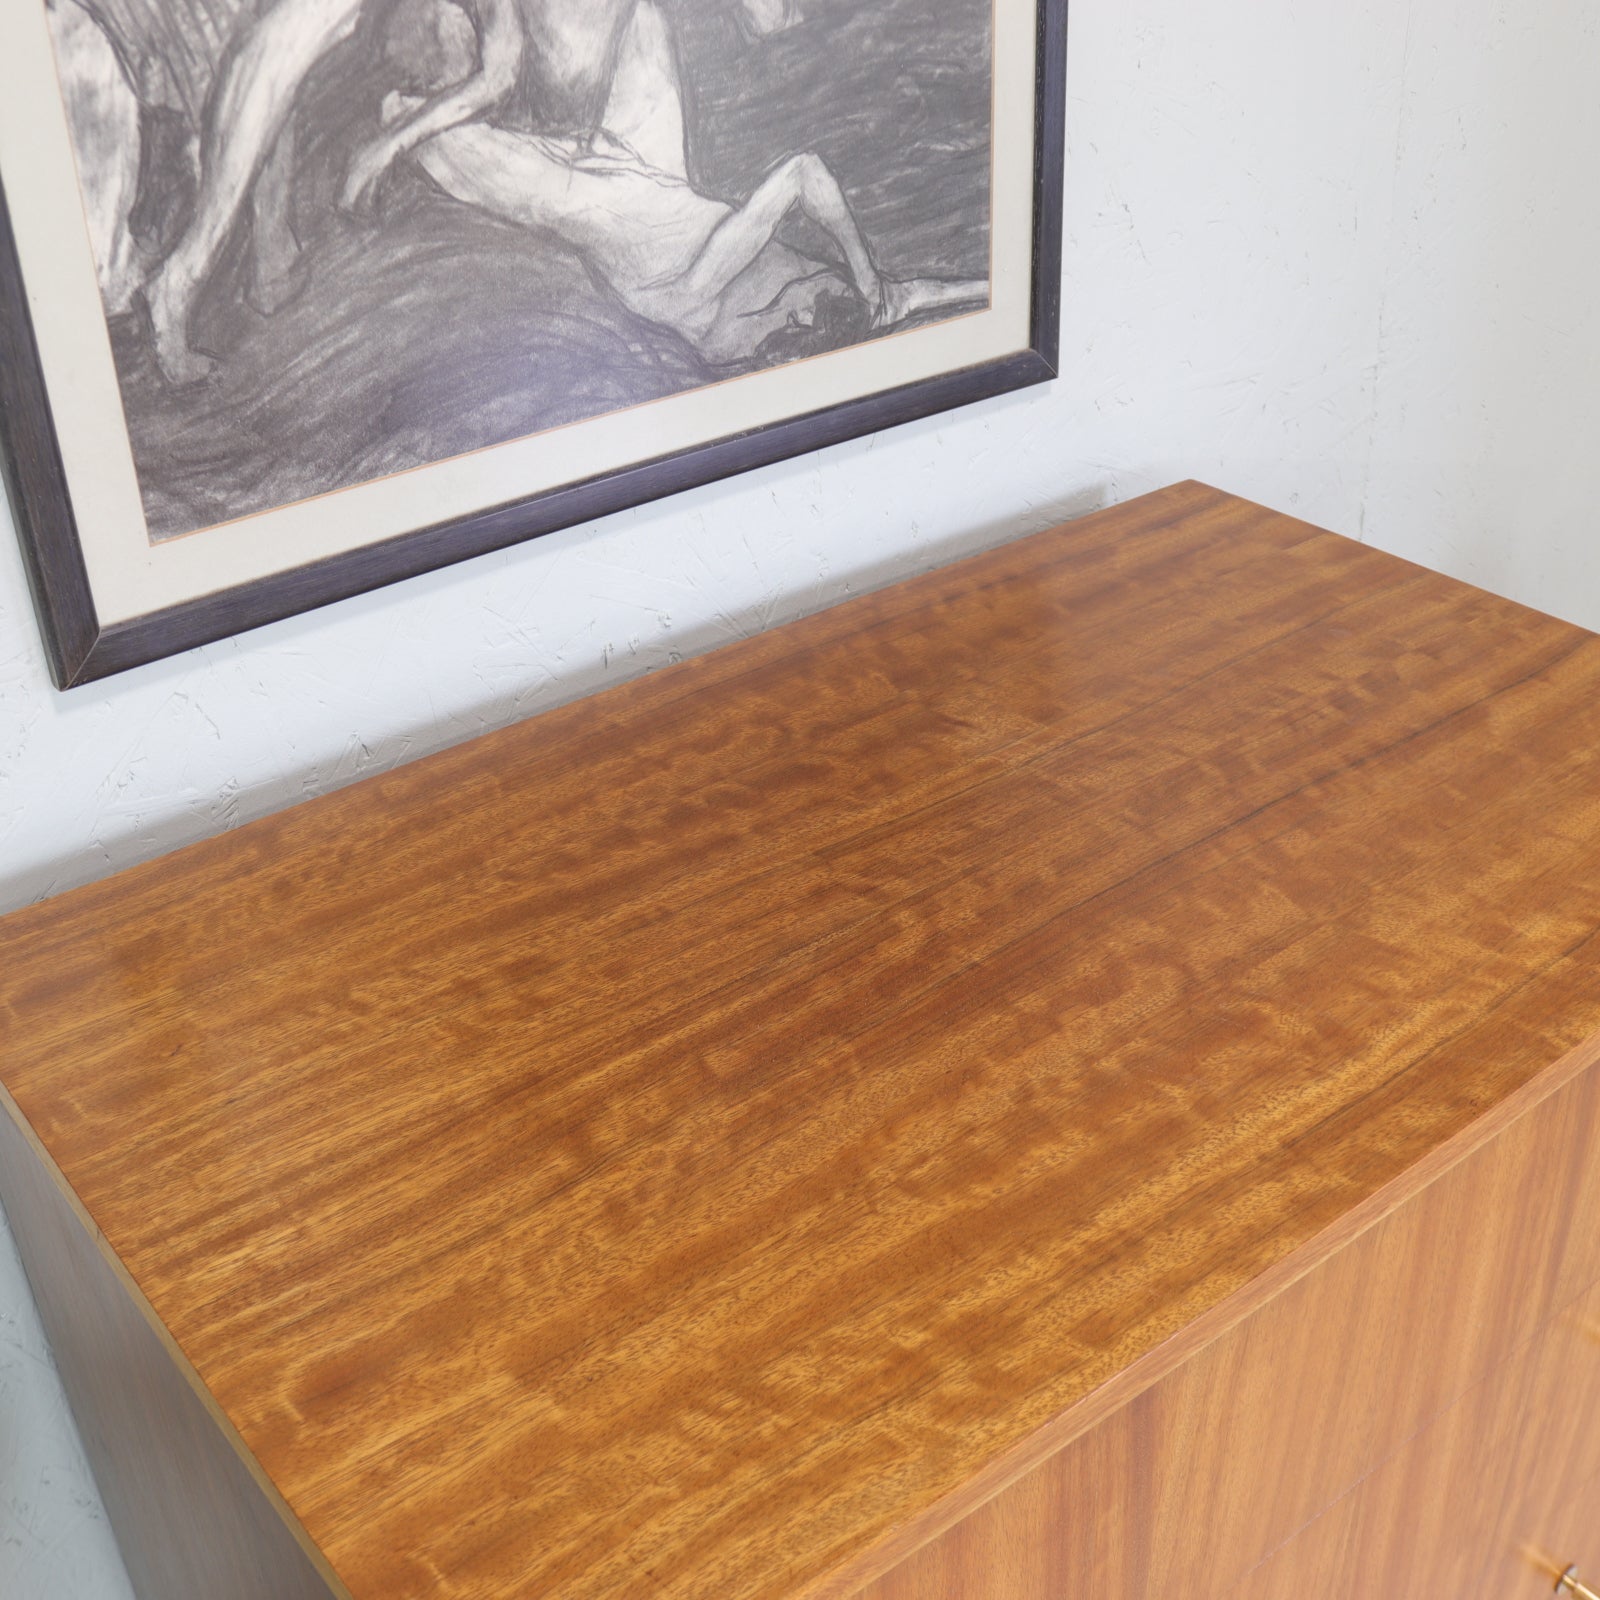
1201 1478
1490 1502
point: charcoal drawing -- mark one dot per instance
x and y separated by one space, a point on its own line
337 239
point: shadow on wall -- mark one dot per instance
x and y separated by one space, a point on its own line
159 836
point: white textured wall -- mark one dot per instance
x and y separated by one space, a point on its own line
1486 427
1334 258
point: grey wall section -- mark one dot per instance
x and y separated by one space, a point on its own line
55 1543
191 1516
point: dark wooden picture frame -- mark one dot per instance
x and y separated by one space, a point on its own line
82 648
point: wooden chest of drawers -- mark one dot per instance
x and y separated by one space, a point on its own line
1072 1076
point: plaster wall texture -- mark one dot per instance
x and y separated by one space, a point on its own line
1329 257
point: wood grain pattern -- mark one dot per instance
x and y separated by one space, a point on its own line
1187 1486
668 1147
193 1519
1494 1500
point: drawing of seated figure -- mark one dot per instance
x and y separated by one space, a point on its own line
716 274
560 50
118 62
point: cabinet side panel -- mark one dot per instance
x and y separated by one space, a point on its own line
192 1522
1198 1479
1490 1502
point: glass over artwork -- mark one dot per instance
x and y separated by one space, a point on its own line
339 239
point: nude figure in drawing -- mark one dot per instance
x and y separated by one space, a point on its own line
564 52
612 181
715 273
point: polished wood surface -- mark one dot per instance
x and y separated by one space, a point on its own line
1492 1502
195 1518
674 1146
1188 1485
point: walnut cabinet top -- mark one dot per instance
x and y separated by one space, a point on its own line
674 1146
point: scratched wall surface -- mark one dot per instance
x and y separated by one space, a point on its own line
1334 258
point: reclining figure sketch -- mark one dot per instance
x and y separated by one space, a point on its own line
341 238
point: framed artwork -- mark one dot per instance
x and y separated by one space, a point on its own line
302 297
